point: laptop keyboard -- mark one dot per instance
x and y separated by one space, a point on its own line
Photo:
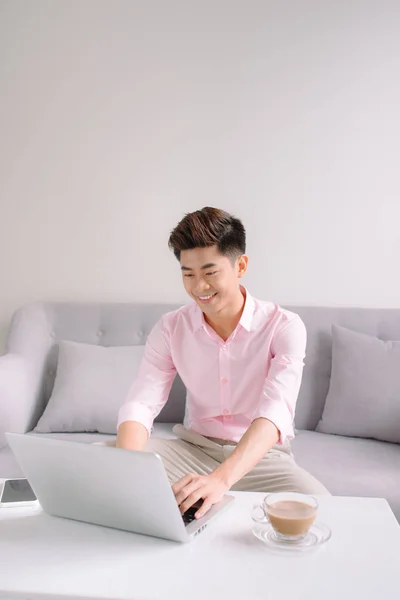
188 516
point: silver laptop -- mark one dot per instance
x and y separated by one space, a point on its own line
106 486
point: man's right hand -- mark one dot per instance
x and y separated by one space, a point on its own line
132 436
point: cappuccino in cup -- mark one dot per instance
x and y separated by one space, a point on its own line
290 514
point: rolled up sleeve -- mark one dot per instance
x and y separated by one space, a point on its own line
149 392
282 384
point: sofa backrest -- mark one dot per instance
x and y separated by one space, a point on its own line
37 328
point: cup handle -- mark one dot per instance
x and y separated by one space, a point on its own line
258 515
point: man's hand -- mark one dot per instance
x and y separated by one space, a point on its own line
191 488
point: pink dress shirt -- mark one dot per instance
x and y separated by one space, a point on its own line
255 373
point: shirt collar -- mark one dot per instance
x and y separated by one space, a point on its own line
245 320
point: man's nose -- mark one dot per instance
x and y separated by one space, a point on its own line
201 286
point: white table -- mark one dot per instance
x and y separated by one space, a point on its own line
42 555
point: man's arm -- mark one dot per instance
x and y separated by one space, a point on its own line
259 438
255 443
148 393
132 436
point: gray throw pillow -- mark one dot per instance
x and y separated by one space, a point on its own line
364 392
91 384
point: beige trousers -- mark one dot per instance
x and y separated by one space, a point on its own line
194 453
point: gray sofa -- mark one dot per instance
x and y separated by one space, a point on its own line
346 466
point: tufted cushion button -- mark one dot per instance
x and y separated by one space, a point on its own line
100 333
52 334
51 372
140 333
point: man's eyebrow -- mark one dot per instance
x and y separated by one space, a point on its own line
207 266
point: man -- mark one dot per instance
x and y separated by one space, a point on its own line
241 361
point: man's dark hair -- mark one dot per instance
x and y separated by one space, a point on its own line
209 227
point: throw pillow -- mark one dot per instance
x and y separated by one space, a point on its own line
364 392
91 384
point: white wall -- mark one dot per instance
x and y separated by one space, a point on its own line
117 117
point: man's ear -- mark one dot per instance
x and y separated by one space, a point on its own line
242 264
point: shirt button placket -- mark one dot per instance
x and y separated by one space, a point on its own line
225 381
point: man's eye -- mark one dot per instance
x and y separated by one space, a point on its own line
213 273
188 275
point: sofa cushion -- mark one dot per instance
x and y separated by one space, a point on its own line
364 392
351 466
91 384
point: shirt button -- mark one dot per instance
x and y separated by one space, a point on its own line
224 380
225 412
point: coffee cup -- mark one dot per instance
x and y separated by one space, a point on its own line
290 514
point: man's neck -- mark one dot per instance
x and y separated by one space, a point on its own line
225 322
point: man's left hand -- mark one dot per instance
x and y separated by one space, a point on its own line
191 488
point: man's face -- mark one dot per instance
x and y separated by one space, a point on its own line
210 278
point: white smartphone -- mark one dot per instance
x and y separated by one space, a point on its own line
17 492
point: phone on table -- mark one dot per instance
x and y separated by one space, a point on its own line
16 492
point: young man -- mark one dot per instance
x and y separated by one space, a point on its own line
241 361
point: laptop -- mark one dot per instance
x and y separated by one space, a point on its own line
107 486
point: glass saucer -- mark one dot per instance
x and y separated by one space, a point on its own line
317 535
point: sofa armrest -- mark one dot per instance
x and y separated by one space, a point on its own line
22 370
14 395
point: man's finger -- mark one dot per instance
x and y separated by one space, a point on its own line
179 485
204 508
190 500
187 490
